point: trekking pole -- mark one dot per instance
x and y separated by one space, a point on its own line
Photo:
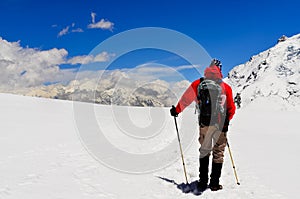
235 174
181 151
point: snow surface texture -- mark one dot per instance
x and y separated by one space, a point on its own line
273 76
42 156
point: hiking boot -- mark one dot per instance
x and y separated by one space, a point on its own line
202 186
215 187
215 176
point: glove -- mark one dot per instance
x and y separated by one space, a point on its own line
173 112
216 62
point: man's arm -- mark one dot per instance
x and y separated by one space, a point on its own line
230 103
188 96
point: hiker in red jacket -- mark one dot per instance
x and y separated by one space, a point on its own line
212 132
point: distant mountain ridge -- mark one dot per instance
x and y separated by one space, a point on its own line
115 88
272 75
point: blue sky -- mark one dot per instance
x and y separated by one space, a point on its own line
229 30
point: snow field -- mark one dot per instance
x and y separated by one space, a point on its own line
42 156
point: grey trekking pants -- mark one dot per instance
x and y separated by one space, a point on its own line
212 139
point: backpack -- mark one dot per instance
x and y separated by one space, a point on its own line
210 102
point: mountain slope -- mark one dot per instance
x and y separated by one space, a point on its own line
272 75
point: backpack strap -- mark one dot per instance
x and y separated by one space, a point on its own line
201 80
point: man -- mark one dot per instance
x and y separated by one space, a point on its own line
238 100
212 132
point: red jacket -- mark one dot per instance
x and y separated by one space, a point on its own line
190 94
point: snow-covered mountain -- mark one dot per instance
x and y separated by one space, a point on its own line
113 88
272 75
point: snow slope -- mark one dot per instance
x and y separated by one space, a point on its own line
42 156
272 75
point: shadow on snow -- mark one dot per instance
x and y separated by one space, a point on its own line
185 188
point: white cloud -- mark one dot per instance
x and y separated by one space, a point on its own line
28 67
69 29
93 15
64 31
185 67
152 71
77 30
102 24
86 59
